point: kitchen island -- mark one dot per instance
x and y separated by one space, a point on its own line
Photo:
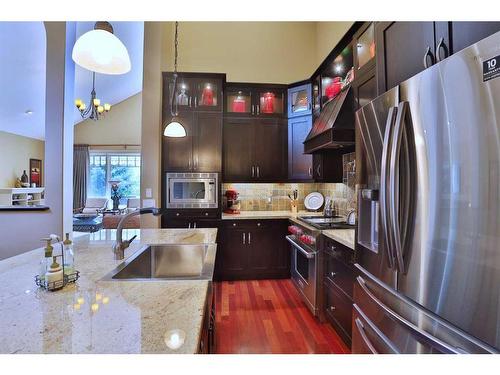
96 316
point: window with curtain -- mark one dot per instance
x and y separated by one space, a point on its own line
123 167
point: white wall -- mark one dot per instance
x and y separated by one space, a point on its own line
120 126
22 231
15 154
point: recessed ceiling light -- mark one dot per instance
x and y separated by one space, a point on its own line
28 112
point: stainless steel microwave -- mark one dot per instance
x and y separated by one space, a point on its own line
192 190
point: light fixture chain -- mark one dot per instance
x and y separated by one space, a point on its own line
176 45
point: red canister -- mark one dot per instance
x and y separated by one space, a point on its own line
207 96
333 88
268 103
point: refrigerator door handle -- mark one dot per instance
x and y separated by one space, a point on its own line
400 137
364 337
413 329
384 190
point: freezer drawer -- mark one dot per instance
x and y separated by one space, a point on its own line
367 338
410 328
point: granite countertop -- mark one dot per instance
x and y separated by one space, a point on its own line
95 316
343 236
268 215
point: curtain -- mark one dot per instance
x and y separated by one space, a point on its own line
81 158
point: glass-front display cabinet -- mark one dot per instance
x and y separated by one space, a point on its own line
239 101
195 91
338 74
299 100
316 95
365 46
247 99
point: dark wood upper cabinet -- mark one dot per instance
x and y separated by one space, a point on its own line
238 149
299 164
178 152
406 48
199 103
463 34
402 48
207 143
270 150
254 150
255 100
194 91
200 150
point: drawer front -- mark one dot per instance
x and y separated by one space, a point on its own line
190 214
338 309
339 273
339 251
252 223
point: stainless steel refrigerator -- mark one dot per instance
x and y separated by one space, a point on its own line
428 169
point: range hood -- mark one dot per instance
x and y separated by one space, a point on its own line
334 128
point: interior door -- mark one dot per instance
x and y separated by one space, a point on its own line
238 149
299 164
450 263
207 150
270 149
178 152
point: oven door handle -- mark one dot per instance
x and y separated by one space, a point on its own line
307 254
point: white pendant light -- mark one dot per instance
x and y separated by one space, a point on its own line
100 51
174 128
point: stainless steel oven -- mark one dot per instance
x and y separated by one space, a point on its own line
304 264
192 190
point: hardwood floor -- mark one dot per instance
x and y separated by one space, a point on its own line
268 316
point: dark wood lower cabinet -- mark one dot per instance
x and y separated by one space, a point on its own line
253 249
338 283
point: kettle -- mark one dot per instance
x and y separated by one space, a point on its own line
351 217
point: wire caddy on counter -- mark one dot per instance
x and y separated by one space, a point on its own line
58 284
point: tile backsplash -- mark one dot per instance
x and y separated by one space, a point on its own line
274 196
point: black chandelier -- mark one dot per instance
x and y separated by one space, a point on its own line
94 110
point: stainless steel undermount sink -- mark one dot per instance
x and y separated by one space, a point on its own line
168 262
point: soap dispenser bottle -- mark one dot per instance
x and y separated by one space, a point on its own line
54 273
69 256
47 259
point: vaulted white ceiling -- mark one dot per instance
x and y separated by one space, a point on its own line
22 74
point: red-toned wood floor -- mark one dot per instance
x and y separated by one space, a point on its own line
268 316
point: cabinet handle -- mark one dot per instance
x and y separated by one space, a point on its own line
194 225
310 171
309 106
189 101
189 225
234 224
333 274
206 213
244 238
258 224
177 214
253 171
249 238
332 308
189 164
428 54
442 46
318 170
258 171
195 101
253 109
257 106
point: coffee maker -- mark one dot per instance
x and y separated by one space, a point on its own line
231 202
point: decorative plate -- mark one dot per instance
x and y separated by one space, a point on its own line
314 201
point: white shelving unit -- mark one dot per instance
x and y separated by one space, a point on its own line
21 196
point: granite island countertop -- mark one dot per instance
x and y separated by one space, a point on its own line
95 316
